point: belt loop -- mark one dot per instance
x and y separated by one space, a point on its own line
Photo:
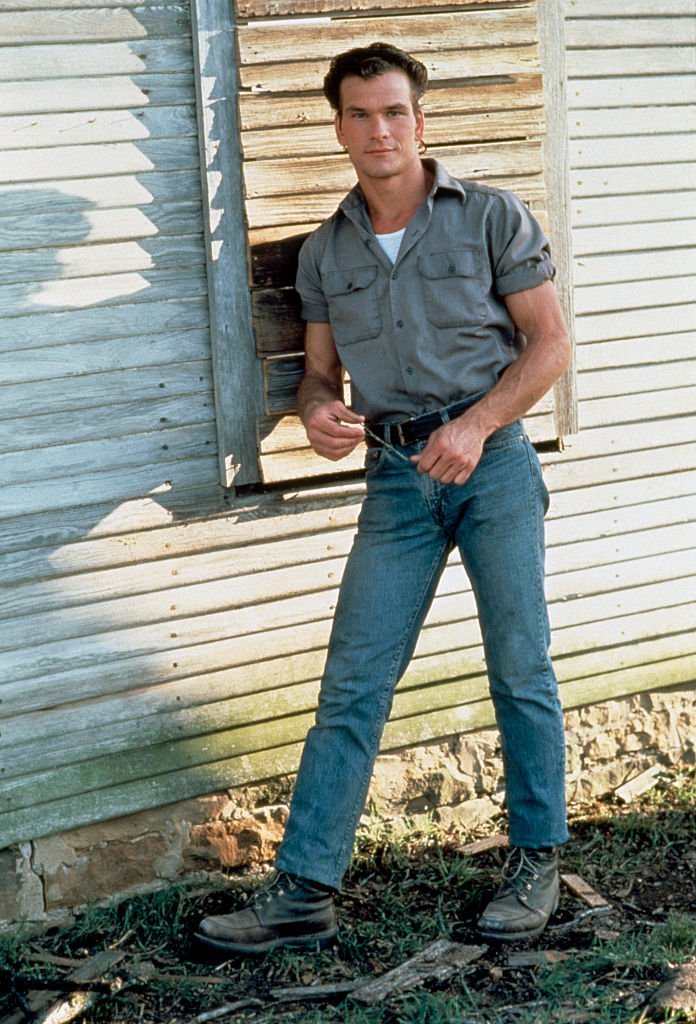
444 415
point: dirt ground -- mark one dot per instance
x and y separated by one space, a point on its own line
601 960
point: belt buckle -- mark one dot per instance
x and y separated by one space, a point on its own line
400 432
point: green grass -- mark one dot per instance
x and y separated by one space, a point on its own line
408 886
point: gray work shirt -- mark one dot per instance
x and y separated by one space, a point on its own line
432 328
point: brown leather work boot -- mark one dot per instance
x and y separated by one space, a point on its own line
289 911
527 898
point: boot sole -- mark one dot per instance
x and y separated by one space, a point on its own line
221 949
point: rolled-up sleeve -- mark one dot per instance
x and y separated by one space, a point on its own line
520 249
314 308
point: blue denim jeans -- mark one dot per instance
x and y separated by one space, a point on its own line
407 527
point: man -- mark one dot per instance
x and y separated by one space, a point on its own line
420 286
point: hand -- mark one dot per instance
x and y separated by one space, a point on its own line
453 451
327 431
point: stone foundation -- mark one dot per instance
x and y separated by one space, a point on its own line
458 782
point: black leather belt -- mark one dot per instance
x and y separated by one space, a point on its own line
418 427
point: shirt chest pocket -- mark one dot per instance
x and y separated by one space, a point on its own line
353 304
454 288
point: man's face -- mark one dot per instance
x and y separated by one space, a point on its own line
377 124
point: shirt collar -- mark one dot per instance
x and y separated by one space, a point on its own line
442 181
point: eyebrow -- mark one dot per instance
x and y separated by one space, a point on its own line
389 106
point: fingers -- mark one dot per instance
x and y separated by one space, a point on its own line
334 431
449 456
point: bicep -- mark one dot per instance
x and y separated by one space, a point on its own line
537 313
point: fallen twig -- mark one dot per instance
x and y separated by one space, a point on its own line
224 1011
559 929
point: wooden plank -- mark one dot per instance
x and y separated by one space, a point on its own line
289 211
652 120
330 173
486 126
552 48
475 95
274 43
632 209
140 366
631 149
601 269
104 291
40 63
92 324
281 8
446 66
631 60
167 472
92 25
93 226
94 456
236 370
624 180
635 237
630 91
641 31
634 352
638 323
154 189
24 433
670 403
277 323
106 92
63 162
635 380
668 291
632 8
81 127
165 251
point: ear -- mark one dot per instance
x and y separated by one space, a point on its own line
420 125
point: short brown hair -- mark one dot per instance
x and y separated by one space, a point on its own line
371 62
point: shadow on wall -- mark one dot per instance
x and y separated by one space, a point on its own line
107 428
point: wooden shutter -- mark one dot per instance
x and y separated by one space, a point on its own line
484 118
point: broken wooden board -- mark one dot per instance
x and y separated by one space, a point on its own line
438 961
579 887
483 845
639 784
537 958
48 1010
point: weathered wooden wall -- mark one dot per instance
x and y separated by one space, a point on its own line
159 640
484 118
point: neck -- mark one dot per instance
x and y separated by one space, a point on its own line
392 202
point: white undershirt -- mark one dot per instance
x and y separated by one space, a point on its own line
391 243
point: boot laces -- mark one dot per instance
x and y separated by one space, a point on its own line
519 873
278 885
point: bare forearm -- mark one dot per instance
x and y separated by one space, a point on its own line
316 390
524 383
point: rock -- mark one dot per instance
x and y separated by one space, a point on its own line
679 991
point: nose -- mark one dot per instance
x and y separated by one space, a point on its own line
379 127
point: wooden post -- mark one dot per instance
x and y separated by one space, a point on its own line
236 368
557 175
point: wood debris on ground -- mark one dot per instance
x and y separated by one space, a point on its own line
580 888
483 845
639 784
43 1004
